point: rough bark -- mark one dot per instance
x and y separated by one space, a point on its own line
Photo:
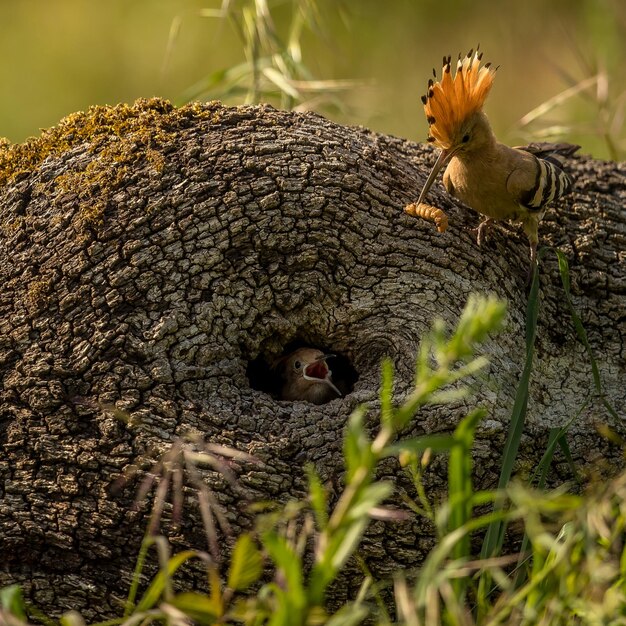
149 254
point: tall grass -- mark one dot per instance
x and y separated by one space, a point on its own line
603 95
273 68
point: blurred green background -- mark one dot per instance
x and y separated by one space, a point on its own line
60 56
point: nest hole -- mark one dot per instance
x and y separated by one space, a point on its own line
264 377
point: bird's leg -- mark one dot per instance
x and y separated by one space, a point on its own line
480 230
533 263
531 228
533 253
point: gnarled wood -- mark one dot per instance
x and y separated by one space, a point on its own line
148 254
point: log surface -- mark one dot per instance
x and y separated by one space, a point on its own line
148 254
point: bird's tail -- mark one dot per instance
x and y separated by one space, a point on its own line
546 150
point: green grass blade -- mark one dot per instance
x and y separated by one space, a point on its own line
435 443
369 497
567 453
460 490
349 615
544 465
282 82
386 393
246 564
197 606
285 558
12 601
157 586
495 533
317 497
356 445
134 585
345 543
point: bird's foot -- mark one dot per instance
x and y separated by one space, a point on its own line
481 230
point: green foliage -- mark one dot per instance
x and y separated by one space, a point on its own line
577 577
494 538
12 601
573 544
246 564
199 607
161 584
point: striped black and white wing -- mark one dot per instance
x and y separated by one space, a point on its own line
551 182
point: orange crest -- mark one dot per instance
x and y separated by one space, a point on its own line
452 100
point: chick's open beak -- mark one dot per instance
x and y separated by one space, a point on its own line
318 371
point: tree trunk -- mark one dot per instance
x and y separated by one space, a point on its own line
155 260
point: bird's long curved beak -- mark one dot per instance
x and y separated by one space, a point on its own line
442 159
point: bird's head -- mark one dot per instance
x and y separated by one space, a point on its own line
453 108
307 375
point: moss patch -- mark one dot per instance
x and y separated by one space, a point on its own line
95 126
116 136
37 294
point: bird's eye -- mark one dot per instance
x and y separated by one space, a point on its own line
465 138
297 365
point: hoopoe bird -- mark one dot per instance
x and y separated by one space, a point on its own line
306 376
497 181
